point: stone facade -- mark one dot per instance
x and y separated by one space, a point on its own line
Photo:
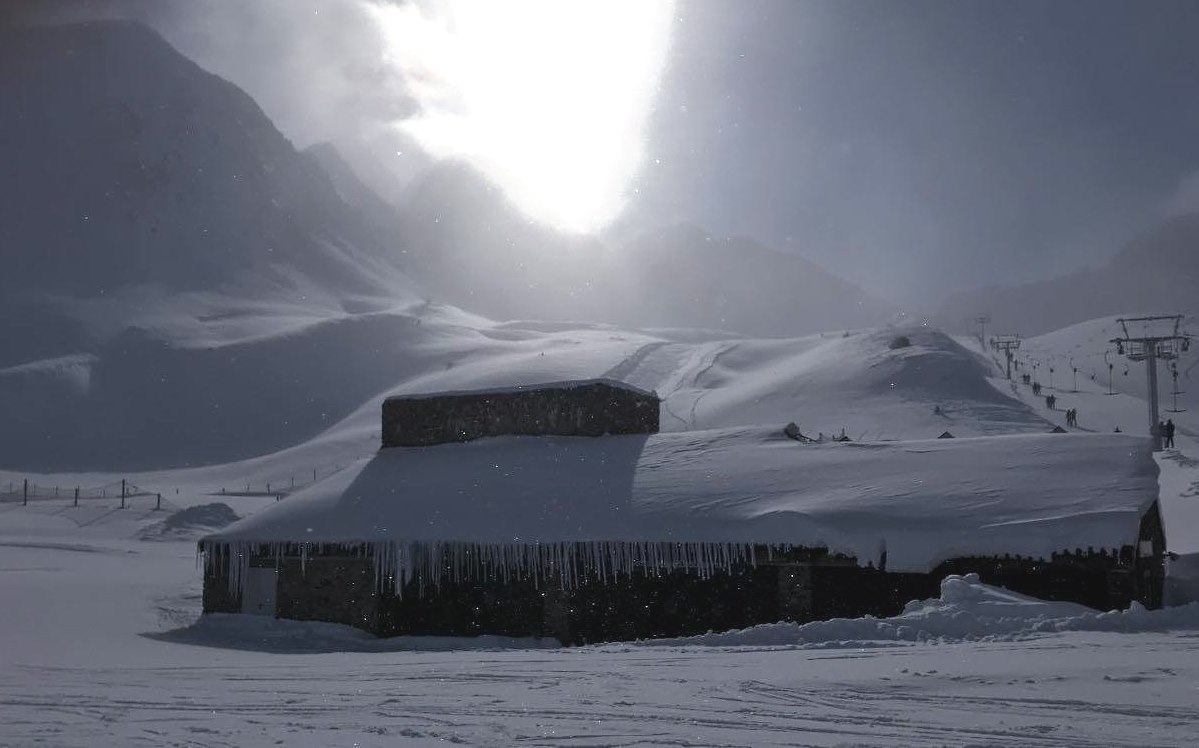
336 589
592 408
797 585
338 583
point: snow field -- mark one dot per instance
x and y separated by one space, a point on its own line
100 653
102 650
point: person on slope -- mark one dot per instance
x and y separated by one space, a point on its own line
1170 434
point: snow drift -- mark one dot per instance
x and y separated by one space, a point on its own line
191 522
967 610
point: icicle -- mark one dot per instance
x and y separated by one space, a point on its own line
431 563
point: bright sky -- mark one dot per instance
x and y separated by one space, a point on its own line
550 98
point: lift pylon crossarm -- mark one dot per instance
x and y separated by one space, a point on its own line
1008 344
1164 340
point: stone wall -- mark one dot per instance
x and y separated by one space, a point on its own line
336 589
586 409
796 584
217 597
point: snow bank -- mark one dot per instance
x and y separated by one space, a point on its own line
191 522
1182 579
967 610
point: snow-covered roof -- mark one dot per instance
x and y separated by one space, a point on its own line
926 501
563 385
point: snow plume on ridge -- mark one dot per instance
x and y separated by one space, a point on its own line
967 610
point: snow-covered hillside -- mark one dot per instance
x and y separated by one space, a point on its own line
225 389
1087 346
131 175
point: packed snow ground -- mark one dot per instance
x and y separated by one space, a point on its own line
102 649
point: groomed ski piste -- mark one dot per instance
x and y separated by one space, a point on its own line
104 644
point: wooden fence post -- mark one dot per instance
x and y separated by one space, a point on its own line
76 495
122 493
158 504
25 493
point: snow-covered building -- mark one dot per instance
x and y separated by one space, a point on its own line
666 534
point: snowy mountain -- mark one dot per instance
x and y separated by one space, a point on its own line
350 187
188 289
126 165
474 249
1155 272
683 275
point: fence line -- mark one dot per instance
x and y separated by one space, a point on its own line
26 490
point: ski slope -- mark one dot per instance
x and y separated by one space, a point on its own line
1125 409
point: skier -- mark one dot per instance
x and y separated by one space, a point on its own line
1170 434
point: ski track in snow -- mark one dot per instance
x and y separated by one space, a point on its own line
953 695
625 368
684 381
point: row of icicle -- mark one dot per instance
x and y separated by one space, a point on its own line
396 564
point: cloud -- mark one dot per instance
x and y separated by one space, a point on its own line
317 67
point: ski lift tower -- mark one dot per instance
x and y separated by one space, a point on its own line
1149 339
982 320
1009 344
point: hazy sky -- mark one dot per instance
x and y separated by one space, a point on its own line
913 146
920 146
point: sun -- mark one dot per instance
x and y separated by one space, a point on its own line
549 98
